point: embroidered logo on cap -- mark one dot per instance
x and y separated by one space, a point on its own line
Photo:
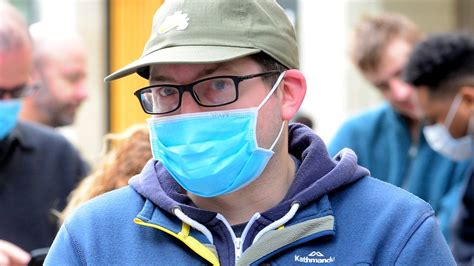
178 20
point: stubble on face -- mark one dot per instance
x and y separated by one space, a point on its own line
61 78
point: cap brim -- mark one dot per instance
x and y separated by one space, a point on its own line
184 55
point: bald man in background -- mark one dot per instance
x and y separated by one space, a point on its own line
59 69
38 167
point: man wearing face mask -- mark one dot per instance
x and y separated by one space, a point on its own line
38 168
231 183
442 70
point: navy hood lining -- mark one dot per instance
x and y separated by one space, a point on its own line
156 184
317 174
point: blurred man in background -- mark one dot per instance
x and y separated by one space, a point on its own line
59 60
38 168
388 140
442 71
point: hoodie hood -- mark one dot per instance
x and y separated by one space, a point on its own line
317 175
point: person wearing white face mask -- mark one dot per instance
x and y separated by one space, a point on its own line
442 70
441 140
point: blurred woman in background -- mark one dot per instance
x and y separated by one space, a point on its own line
126 155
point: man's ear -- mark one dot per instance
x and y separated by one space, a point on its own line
467 94
293 92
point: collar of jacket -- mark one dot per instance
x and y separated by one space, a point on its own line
153 217
313 221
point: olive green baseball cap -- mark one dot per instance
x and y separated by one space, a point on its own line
212 31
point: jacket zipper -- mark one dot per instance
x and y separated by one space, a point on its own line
238 248
238 241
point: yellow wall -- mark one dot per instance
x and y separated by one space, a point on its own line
130 27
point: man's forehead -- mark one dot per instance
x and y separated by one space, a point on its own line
65 49
392 60
173 72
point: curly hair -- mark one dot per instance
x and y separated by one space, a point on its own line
127 156
443 62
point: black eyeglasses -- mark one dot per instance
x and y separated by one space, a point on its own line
208 92
19 91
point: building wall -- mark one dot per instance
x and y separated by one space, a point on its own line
91 123
129 29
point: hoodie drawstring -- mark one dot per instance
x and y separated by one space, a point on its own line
194 224
290 214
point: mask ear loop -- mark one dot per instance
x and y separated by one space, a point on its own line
452 110
470 132
275 86
470 128
278 137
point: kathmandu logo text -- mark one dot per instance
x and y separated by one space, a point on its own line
315 257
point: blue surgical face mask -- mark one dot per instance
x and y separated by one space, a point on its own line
440 140
9 110
211 153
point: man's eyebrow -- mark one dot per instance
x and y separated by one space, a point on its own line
158 78
14 88
204 72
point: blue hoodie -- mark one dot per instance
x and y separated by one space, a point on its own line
333 213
